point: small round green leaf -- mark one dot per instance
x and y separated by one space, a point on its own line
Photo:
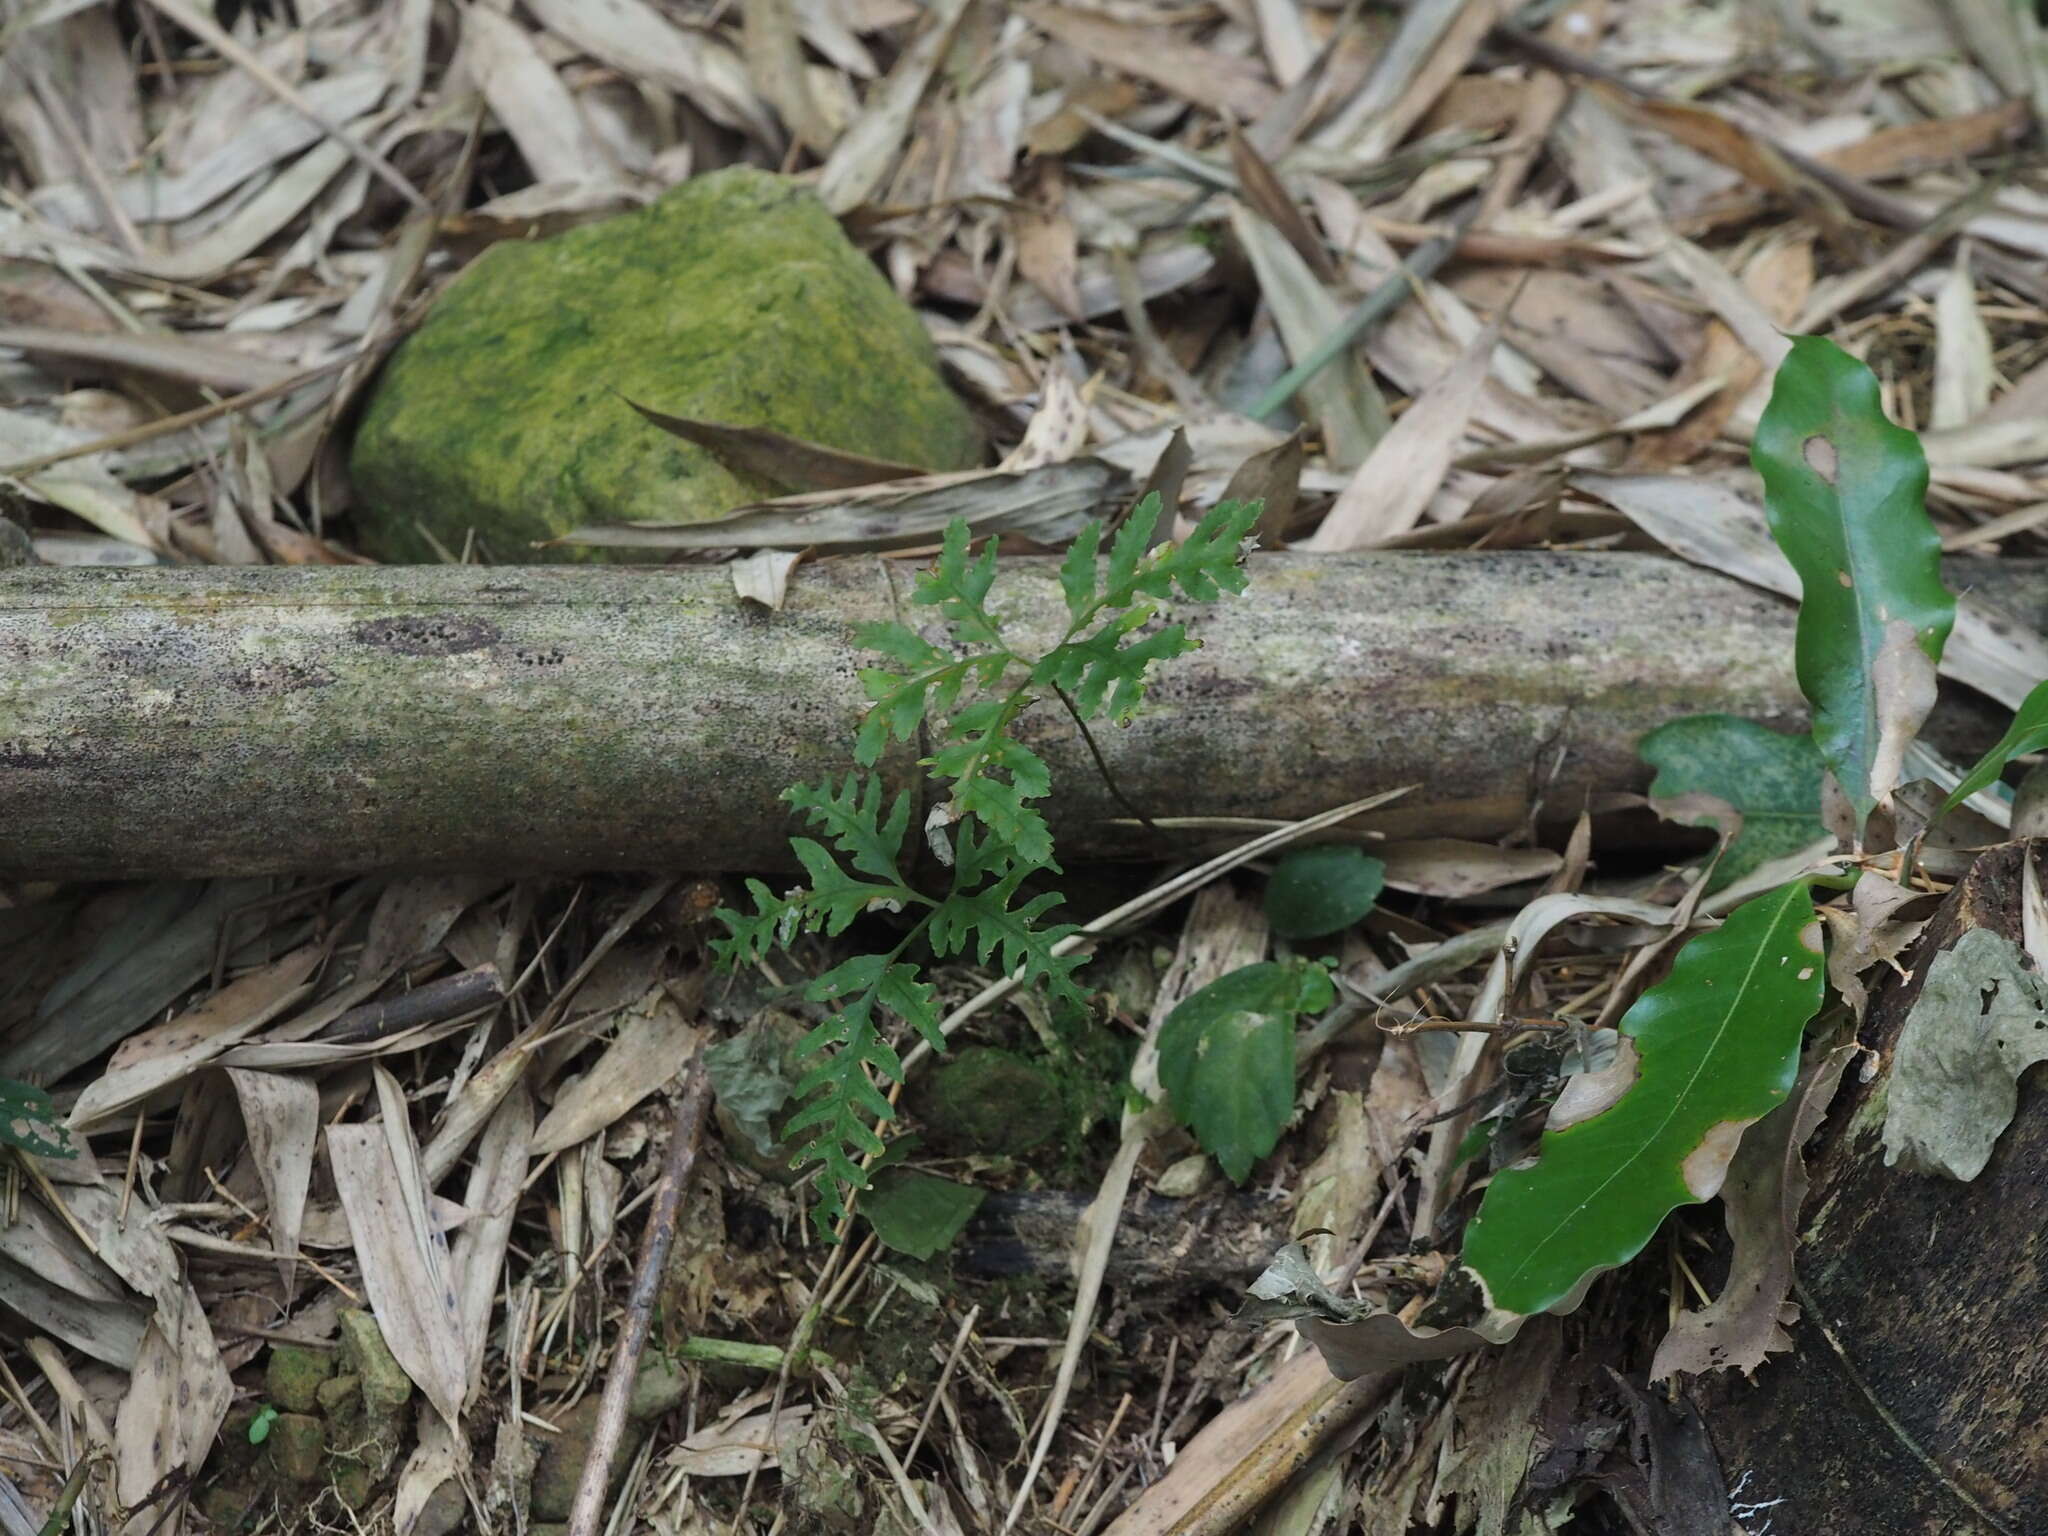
1315 891
1226 1058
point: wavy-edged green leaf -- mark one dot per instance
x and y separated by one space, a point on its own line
919 1213
2028 733
1708 1051
1319 890
958 586
1226 1057
1769 780
1846 492
983 922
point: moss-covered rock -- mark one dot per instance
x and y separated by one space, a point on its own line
292 1378
990 1101
297 1442
734 298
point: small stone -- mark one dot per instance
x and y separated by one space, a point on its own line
385 1386
340 1397
734 298
293 1376
989 1101
296 1443
1190 1176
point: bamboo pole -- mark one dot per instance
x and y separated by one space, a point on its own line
219 721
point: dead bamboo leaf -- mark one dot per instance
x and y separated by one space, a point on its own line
774 57
282 1117
1047 504
1450 867
635 38
1048 250
1391 490
762 453
867 151
528 98
1272 478
654 1043
1262 189
178 1393
1218 81
1058 429
763 576
156 1059
1963 369
404 1263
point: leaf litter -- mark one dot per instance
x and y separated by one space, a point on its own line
1557 254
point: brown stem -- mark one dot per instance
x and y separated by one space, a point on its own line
586 1514
1102 767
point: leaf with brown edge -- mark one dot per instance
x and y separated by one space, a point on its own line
1716 1048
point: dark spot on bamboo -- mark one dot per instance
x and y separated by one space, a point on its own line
424 635
275 677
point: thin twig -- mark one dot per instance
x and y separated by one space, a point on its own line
1116 790
586 1513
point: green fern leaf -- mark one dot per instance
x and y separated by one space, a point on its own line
841 1101
1103 674
836 898
984 923
852 817
1077 571
958 586
750 936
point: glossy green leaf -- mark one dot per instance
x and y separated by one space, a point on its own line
1226 1058
919 1213
2028 733
30 1121
1715 1047
1846 492
1771 781
1320 890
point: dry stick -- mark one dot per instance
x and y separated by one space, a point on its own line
210 32
585 1514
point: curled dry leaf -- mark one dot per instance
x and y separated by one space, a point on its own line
1355 1340
1761 1200
653 1044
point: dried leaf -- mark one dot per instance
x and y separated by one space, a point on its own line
1219 81
149 1062
1057 431
282 1116
762 453
1392 489
1980 1021
1761 1200
1047 504
763 576
1963 369
653 1044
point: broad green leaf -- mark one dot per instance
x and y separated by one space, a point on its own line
30 1121
2028 733
1226 1058
1315 891
1771 780
919 1213
1715 1047
1846 492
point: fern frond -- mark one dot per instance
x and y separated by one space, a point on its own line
852 817
958 587
984 923
840 1099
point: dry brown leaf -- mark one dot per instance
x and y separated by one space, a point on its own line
1392 488
1272 478
1048 250
654 1043
636 39
866 152
282 1116
404 1263
762 453
1964 373
1761 1199
1058 429
1218 81
145 1064
1262 189
1449 867
178 1393
1722 139
528 98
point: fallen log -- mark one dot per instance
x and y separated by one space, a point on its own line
254 721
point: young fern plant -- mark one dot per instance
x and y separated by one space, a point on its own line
967 696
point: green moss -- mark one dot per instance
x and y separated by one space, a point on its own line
292 1379
989 1101
734 298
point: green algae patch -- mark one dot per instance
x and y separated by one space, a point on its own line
734 298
